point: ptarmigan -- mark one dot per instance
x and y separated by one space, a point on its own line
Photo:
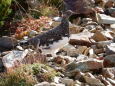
50 42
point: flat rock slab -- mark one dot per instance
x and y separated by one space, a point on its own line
104 19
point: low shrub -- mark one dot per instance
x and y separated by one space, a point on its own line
28 75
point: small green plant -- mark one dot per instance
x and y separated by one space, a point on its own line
28 75
47 8
41 71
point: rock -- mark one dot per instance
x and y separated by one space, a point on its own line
74 52
99 51
43 84
70 50
108 34
32 33
63 60
86 20
7 43
112 26
90 64
56 79
104 19
86 65
104 80
19 48
54 84
33 57
110 49
103 44
90 79
112 81
98 36
75 74
78 83
109 3
109 60
83 50
60 60
14 58
109 72
99 9
79 7
75 29
89 24
67 82
81 57
90 27
81 39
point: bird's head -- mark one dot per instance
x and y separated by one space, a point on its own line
68 13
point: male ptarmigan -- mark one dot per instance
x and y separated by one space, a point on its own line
51 41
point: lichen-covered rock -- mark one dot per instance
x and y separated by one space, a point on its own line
86 65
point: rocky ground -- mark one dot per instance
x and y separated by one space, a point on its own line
87 60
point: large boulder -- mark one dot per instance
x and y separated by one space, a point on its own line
7 43
78 6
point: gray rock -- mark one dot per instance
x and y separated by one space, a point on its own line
54 84
14 58
7 43
43 84
112 81
110 49
81 57
67 82
86 65
109 60
104 19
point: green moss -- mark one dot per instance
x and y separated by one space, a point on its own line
28 75
41 71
